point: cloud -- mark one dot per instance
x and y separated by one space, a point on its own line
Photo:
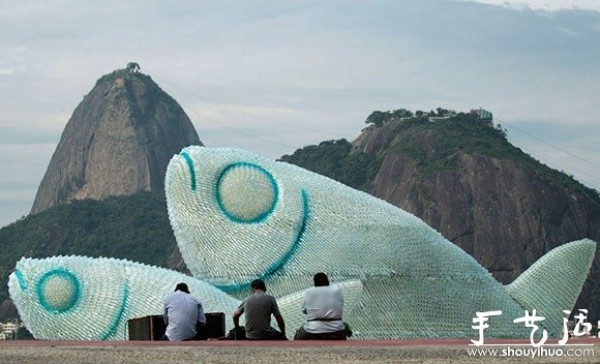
217 113
274 76
568 32
544 5
23 166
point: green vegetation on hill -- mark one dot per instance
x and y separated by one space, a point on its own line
132 227
335 159
434 144
433 141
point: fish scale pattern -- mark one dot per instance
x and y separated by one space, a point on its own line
98 297
82 298
416 282
238 216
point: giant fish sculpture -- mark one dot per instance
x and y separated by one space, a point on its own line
81 298
238 216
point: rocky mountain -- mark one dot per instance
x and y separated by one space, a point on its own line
118 141
461 176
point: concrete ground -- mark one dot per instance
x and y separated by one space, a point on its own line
368 351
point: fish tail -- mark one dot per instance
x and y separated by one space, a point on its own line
553 283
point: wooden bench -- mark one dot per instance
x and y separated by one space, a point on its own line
151 328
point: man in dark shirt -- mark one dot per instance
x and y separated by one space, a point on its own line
258 309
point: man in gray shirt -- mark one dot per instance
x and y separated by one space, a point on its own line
258 309
181 313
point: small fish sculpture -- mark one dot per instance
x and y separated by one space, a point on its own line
238 216
82 298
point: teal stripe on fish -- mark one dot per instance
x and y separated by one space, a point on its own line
276 266
190 164
21 280
119 315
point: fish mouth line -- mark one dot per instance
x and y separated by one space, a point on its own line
111 330
279 263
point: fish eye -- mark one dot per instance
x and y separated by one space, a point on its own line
58 290
246 192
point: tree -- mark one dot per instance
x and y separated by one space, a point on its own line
444 112
402 113
502 130
378 118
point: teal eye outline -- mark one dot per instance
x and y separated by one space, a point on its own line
263 215
282 261
65 274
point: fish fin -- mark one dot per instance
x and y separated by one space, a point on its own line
553 283
290 305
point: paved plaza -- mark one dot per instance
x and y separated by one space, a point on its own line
368 351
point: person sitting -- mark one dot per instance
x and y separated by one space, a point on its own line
323 305
181 313
258 309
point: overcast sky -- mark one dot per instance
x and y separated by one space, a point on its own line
273 76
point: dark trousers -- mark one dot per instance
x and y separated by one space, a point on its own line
270 334
301 334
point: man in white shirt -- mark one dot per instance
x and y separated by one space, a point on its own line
181 312
323 305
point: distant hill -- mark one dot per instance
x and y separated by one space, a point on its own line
118 141
132 227
459 174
